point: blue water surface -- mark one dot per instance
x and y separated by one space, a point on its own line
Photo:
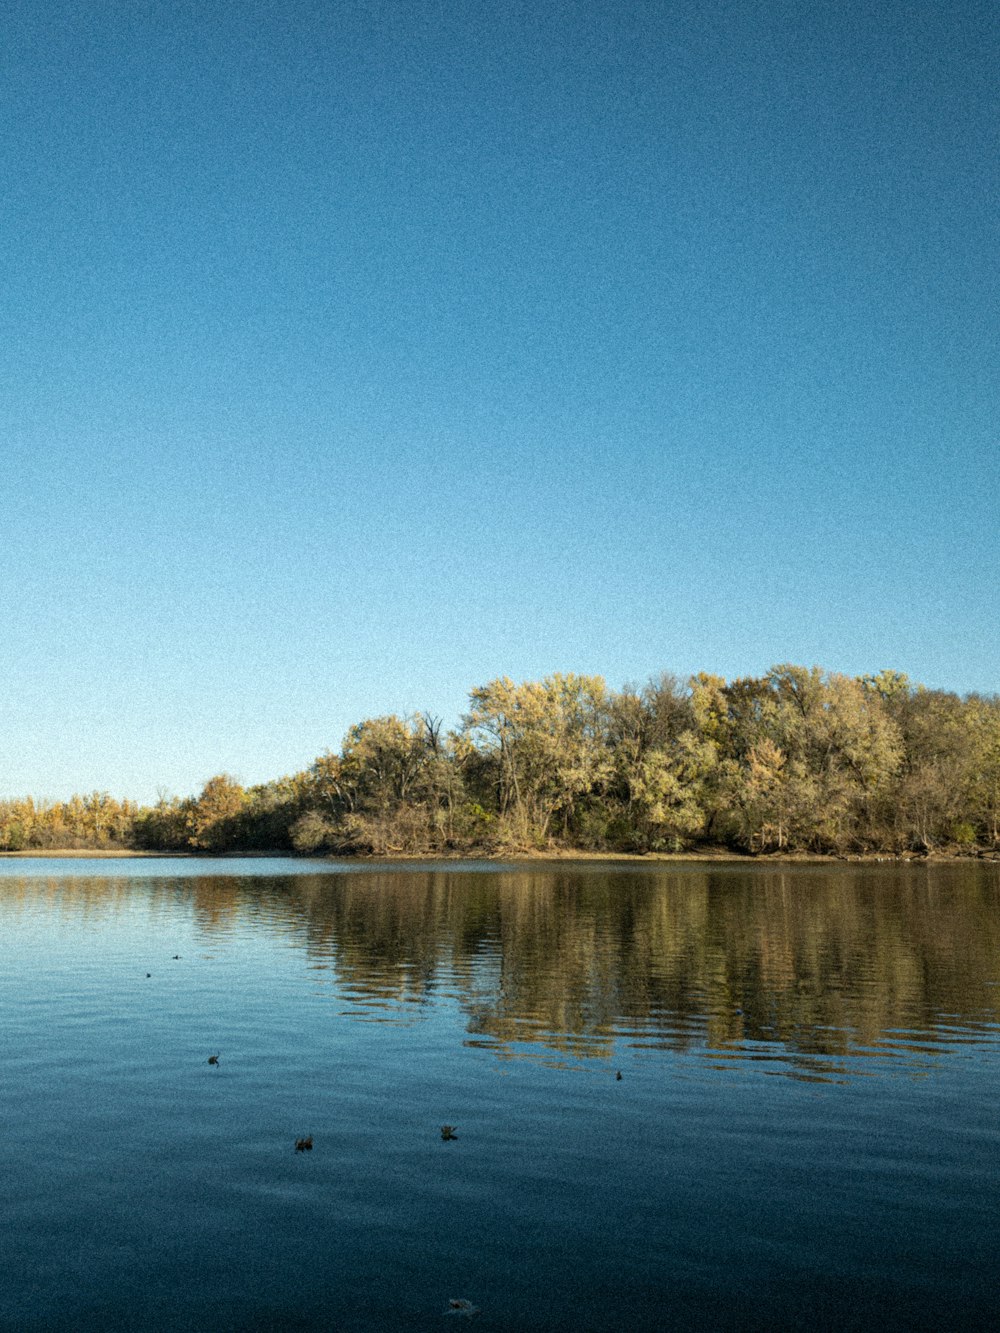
804 1133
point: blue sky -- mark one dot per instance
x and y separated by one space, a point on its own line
354 355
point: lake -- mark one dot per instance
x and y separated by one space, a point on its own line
804 1133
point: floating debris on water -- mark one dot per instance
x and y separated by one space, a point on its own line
304 1145
460 1306
449 1132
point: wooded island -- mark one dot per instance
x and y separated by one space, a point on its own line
795 760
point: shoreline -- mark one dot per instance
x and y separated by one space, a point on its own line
541 857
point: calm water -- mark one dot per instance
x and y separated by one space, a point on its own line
804 1135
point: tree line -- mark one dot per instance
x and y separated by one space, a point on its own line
795 760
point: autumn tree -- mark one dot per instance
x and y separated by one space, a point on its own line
795 759
163 827
212 818
945 764
380 761
806 756
548 744
983 788
661 766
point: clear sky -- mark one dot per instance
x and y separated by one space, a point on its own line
352 355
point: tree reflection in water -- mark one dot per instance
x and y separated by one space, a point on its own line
810 965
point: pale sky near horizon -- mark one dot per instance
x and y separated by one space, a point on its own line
354 355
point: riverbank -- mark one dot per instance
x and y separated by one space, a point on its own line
110 852
552 855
